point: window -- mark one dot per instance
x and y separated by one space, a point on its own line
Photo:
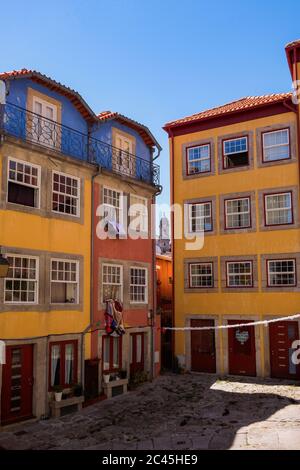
276 145
201 275
112 282
124 159
200 217
239 274
139 212
235 152
65 194
44 129
281 272
198 159
63 363
138 285
64 281
23 183
237 213
21 284
278 209
112 353
112 201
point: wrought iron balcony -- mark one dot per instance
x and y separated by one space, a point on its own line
22 124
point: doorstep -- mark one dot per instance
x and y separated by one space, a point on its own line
108 387
57 406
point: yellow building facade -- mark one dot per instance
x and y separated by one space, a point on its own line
235 170
45 235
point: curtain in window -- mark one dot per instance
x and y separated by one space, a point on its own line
55 365
69 363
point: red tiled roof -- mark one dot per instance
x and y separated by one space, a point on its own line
80 104
242 104
38 77
142 130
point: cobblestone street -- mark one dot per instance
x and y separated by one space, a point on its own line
176 412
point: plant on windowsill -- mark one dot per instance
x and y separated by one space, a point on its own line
58 390
123 374
137 379
106 378
77 390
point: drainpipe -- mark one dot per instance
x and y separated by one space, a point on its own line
87 329
154 306
171 135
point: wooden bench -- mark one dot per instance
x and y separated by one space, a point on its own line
57 406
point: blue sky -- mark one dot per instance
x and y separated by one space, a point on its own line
155 60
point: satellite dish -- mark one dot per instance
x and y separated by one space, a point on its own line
2 92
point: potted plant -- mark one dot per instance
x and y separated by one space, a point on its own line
77 390
106 378
58 389
123 374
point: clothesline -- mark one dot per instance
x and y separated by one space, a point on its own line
236 325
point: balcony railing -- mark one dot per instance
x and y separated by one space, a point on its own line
20 123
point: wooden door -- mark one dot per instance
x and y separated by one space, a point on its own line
203 350
282 336
241 346
137 352
17 384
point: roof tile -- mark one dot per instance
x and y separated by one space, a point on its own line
239 105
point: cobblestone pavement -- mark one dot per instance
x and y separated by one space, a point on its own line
187 411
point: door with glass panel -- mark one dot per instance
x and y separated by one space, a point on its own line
282 336
44 128
63 364
137 352
124 161
17 384
112 353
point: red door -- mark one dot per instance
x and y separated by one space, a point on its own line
137 352
241 345
203 351
282 336
17 384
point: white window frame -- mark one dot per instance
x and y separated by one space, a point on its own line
203 217
145 301
144 216
200 159
36 280
191 276
269 261
233 275
233 140
276 145
237 213
57 281
37 188
277 209
227 154
38 119
121 284
66 175
121 208
130 167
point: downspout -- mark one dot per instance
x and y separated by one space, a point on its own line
154 306
171 135
92 239
295 109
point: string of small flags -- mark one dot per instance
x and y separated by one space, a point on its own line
237 325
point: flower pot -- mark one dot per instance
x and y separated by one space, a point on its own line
58 396
106 378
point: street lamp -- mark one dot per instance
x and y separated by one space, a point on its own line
4 266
